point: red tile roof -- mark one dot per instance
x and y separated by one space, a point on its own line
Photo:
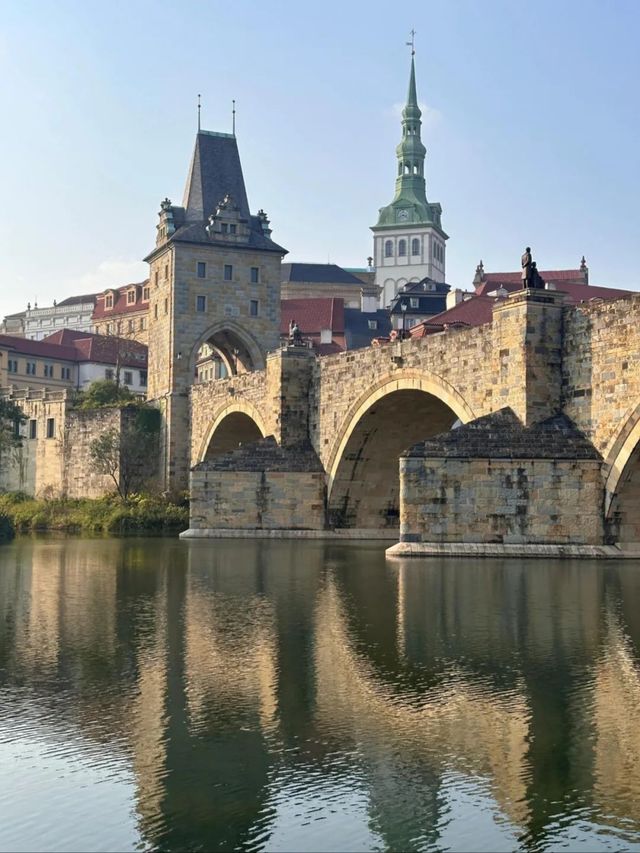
313 315
43 349
576 292
101 349
475 311
120 305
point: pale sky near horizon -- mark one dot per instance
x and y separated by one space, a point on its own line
532 128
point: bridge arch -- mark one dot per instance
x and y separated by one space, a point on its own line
237 423
622 484
400 409
236 347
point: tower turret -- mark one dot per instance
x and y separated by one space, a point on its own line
409 242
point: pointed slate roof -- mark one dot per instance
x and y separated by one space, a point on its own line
215 171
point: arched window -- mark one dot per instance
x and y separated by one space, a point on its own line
415 246
402 248
388 249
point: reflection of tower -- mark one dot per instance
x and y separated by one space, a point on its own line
408 241
214 279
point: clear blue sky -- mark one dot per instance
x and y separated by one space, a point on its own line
532 129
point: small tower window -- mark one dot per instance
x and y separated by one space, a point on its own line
415 168
407 169
402 248
202 269
228 272
415 246
388 249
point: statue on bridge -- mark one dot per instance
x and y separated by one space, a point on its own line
531 278
526 262
295 335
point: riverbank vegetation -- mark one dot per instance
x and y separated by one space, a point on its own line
137 514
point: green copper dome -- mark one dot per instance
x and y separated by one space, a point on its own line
410 205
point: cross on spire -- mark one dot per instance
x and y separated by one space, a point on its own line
198 113
412 43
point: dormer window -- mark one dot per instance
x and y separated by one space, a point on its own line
145 294
108 300
131 297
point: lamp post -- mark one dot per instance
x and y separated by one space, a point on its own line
403 308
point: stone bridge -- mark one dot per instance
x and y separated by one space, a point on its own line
346 419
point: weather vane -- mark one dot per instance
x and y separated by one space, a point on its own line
412 43
198 113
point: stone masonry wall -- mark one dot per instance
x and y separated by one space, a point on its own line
536 501
262 500
601 367
60 465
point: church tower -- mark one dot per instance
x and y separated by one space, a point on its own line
408 240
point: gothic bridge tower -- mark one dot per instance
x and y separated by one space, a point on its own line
408 241
214 282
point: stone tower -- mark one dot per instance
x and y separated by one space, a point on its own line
214 282
409 242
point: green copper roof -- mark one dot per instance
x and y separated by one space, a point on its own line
410 205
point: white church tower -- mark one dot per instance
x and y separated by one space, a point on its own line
408 241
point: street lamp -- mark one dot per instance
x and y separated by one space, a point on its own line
403 308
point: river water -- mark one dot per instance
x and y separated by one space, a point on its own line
289 695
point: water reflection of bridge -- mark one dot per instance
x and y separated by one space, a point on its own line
216 669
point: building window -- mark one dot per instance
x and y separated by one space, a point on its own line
65 373
415 246
131 297
131 325
155 278
128 377
388 249
142 324
166 271
13 366
255 275
33 429
108 300
155 311
166 306
31 368
253 308
233 228
48 371
51 427
373 324
201 303
145 294
202 269
108 328
119 326
414 302
402 248
224 227
108 374
143 378
228 272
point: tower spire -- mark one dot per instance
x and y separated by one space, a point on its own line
234 117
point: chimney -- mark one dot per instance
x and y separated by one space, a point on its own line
454 297
368 300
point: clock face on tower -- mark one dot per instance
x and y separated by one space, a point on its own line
402 215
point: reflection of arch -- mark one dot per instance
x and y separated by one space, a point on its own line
237 348
406 380
395 413
239 416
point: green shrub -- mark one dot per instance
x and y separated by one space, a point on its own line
141 514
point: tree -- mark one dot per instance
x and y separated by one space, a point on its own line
124 454
105 393
11 419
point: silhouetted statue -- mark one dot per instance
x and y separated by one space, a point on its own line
526 262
